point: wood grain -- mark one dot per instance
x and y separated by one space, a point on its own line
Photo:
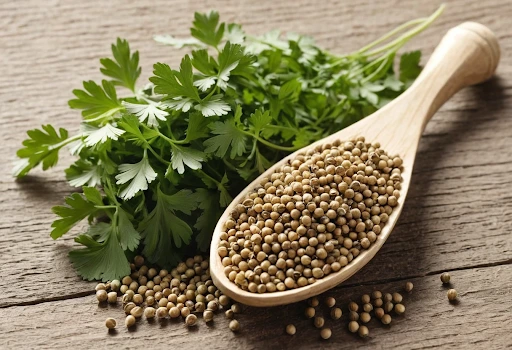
478 321
457 215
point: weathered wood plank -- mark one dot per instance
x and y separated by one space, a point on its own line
449 221
479 321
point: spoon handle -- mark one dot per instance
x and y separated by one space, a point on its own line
468 54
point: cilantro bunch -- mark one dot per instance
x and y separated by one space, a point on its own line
157 168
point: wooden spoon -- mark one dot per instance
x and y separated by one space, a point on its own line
468 54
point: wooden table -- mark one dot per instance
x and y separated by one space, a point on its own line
457 217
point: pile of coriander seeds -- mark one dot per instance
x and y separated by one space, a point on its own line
184 292
312 217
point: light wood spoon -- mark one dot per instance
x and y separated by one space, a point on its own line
468 54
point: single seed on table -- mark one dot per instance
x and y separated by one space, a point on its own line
397 298
353 326
128 307
330 301
325 333
129 321
310 312
185 312
290 329
353 316
386 319
376 294
336 313
379 312
100 286
236 308
365 317
115 285
161 312
363 332
367 307
208 315
110 323
365 299
223 300
149 312
445 278
234 325
101 295
408 287
191 320
452 294
319 322
137 312
399 309
229 314
313 302
174 312
213 305
353 306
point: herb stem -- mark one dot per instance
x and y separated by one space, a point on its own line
270 144
65 142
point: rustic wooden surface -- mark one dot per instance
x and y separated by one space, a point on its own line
456 218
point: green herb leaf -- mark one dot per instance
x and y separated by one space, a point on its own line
125 69
228 135
410 67
207 29
209 205
98 103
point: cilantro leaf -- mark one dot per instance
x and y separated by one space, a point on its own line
149 112
177 43
78 208
207 29
102 134
139 175
83 173
228 135
225 197
125 69
205 224
163 231
100 261
197 127
41 146
128 236
214 106
410 67
260 119
97 102
188 156
203 62
130 124
173 83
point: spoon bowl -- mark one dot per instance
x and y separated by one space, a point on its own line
468 54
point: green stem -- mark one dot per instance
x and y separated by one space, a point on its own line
65 142
270 144
209 177
106 206
166 162
377 71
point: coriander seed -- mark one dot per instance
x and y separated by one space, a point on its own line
313 302
353 306
128 307
388 306
101 295
110 323
397 298
399 309
191 320
386 319
445 278
174 312
100 286
149 312
365 317
137 312
310 312
367 307
129 321
330 302
208 315
318 322
112 297
236 308
234 325
408 287
452 294
363 332
325 333
336 313
365 299
229 314
290 329
376 294
161 312
353 316
379 312
353 326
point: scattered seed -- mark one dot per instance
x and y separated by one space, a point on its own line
191 320
353 316
376 294
101 295
330 301
378 302
367 307
112 297
365 299
379 312
363 332
110 323
313 302
100 286
397 298
336 313
399 309
229 314
365 317
128 308
129 321
452 294
310 312
208 316
387 297
388 306
319 322
137 312
161 312
149 312
236 308
325 333
445 278
353 326
290 329
234 325
408 287
353 306
386 319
